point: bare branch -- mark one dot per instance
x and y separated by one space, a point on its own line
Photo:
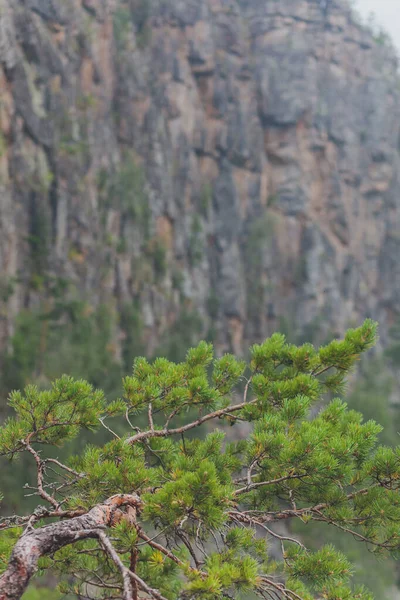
163 550
246 389
40 465
252 486
144 435
137 429
46 540
150 415
127 575
64 467
281 588
101 419
281 538
125 572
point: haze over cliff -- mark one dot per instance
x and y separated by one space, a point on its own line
218 167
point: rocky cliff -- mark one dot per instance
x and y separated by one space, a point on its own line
230 166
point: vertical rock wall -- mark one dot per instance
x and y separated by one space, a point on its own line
236 160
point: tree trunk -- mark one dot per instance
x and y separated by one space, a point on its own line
45 540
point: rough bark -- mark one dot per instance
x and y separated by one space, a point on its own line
36 543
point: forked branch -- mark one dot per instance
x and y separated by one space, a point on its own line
36 543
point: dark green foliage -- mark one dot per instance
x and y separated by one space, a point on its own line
85 342
143 37
7 287
74 149
157 253
39 236
184 332
177 279
122 26
3 144
196 244
125 190
206 196
208 506
259 238
126 17
312 331
71 337
131 324
21 362
213 304
141 11
370 395
393 352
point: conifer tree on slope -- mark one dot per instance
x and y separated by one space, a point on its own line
163 514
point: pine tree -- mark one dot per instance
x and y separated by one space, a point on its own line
161 513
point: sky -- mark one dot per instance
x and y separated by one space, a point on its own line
387 14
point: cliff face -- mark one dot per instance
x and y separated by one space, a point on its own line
235 159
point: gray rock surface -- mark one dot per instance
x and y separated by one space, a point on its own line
262 136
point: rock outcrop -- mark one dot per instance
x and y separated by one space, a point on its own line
234 159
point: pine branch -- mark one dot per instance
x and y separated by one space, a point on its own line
128 576
40 466
258 484
36 543
144 435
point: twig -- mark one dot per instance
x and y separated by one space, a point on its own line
282 538
132 566
150 415
64 467
162 549
137 429
281 588
125 572
101 419
246 389
181 535
249 471
40 464
252 486
148 540
168 432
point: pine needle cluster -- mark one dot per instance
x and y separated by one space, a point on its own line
197 514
